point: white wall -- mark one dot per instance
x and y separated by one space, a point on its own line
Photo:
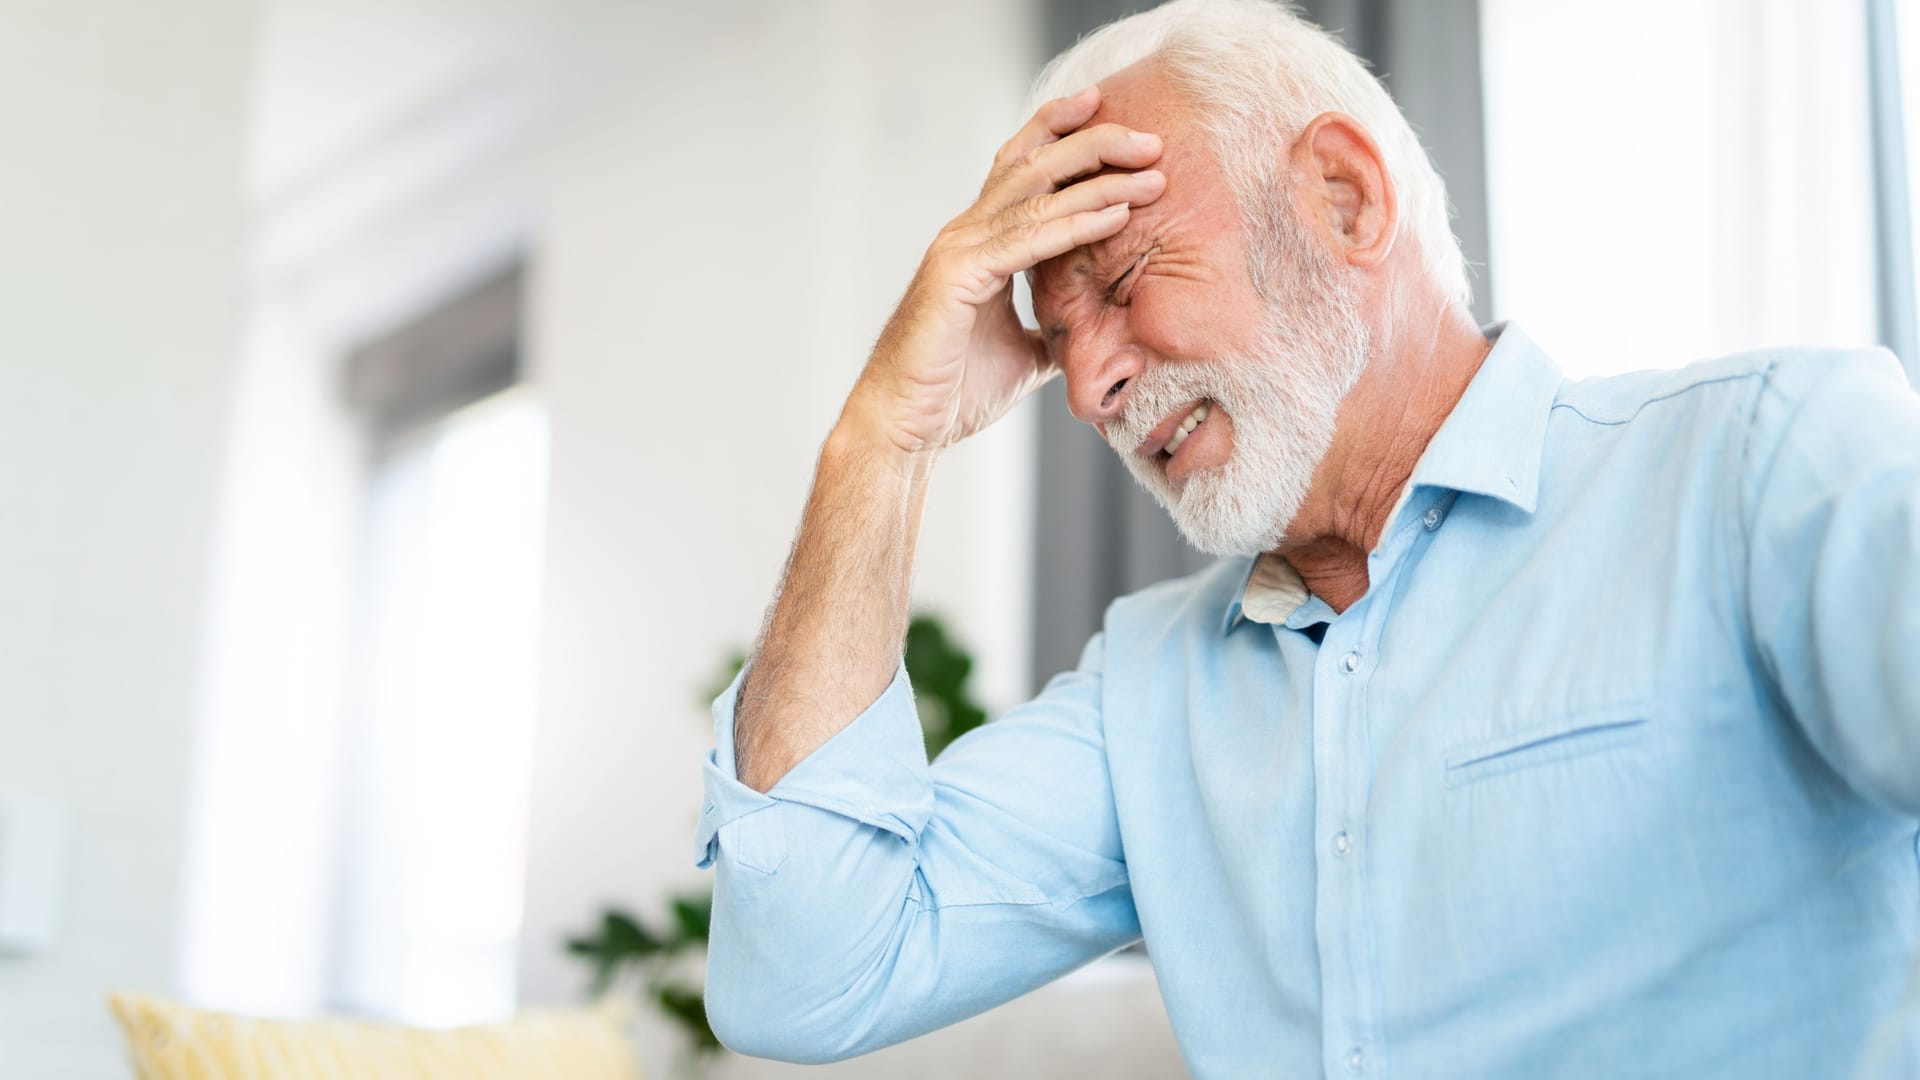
119 294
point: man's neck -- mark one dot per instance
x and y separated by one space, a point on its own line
1412 382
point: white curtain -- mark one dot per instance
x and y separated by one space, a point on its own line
1676 179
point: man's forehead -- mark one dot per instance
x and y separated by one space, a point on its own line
1136 95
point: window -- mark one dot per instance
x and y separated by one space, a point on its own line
1670 181
433 863
364 776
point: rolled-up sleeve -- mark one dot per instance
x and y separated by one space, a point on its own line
869 897
878 761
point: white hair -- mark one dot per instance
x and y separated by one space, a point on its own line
1259 73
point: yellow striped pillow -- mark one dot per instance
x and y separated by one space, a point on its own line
169 1041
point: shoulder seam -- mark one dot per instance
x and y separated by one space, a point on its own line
1641 406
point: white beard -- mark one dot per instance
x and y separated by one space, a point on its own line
1282 396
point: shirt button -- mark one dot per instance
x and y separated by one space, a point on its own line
1432 518
1351 662
1355 1060
1342 843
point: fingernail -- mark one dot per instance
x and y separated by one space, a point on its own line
1115 208
1146 138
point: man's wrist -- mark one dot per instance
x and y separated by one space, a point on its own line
862 436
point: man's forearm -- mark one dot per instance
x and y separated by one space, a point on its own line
833 638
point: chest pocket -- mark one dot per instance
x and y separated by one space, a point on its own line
1570 735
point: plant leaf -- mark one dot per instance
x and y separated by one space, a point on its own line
689 1007
693 914
623 935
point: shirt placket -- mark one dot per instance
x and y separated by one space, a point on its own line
1339 806
1351 1044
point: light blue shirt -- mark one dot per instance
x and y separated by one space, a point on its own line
1614 771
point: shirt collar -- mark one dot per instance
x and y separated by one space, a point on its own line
1490 444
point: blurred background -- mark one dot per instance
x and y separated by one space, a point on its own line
408 405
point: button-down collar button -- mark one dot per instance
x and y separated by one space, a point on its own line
1350 662
1431 519
1342 843
1356 1061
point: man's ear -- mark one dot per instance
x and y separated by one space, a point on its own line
1344 189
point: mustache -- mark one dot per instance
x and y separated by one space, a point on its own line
1155 393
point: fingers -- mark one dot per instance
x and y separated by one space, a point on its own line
1016 249
1138 188
1049 122
1044 198
1093 194
1055 223
1053 165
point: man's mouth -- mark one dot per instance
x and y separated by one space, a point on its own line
1166 436
1191 421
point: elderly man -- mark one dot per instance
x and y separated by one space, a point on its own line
1530 727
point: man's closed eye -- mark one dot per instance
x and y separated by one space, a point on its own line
1121 291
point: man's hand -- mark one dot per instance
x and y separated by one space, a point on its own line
954 357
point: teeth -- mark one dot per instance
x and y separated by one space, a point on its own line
1186 427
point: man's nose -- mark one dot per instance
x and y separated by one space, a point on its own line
1097 374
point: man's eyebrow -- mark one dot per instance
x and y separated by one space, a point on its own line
1102 257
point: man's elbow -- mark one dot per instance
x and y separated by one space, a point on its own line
801 959
749 1016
